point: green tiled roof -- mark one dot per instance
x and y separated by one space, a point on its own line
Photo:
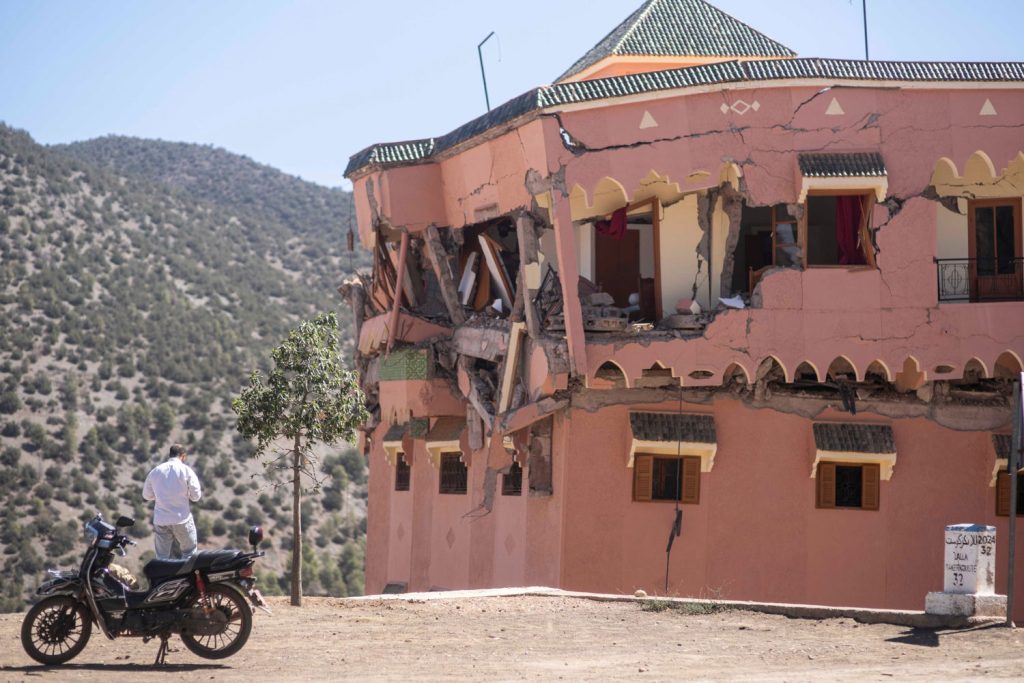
686 28
831 165
395 432
403 364
418 427
828 70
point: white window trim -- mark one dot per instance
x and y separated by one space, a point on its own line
706 451
885 461
1001 465
436 448
391 451
878 184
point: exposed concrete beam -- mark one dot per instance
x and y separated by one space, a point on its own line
473 392
480 342
530 413
442 270
403 250
475 428
569 275
509 374
529 270
732 205
352 291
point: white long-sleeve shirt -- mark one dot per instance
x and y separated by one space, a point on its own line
172 485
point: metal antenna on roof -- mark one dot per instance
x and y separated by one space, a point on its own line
864 7
677 520
483 74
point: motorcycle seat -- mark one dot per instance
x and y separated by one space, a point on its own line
204 559
159 569
209 558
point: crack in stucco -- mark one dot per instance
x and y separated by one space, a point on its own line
577 147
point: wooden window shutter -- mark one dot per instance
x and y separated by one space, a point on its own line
691 481
643 473
826 485
1003 494
870 475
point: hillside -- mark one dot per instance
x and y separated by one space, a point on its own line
300 223
140 282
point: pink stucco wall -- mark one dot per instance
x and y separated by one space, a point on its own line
912 127
756 534
447 541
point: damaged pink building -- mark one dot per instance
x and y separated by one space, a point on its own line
781 294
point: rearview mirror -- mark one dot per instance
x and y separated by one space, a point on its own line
125 521
255 536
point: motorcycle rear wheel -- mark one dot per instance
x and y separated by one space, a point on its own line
236 630
55 630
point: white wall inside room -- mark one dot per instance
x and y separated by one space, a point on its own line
951 233
679 237
585 249
719 236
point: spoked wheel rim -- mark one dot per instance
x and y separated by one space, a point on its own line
228 607
55 630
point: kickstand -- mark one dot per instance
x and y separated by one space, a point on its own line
161 654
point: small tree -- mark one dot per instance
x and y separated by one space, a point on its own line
308 398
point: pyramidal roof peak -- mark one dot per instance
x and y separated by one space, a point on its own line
664 34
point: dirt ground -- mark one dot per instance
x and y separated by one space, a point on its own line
543 638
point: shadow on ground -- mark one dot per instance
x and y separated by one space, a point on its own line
125 667
929 637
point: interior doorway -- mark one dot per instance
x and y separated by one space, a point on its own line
625 259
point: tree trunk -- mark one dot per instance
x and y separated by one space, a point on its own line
297 523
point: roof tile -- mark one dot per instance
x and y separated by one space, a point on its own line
683 28
1003 443
833 165
447 428
395 432
413 151
672 427
854 438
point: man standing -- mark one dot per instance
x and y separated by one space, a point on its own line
172 484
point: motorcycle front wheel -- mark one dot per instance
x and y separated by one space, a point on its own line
237 623
55 630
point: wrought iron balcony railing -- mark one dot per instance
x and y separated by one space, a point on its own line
966 279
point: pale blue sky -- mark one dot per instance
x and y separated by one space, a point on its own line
302 85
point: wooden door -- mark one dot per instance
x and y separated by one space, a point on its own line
617 265
994 249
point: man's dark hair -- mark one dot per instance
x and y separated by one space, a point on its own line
177 450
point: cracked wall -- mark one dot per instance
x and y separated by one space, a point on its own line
888 317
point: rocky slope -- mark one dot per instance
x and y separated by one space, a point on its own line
140 282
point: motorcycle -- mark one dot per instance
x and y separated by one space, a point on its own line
201 598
